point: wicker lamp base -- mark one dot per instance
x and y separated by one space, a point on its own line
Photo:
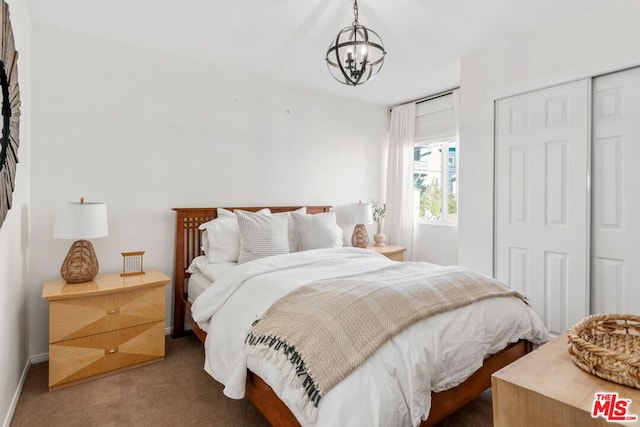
81 264
360 238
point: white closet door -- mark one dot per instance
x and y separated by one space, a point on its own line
616 194
542 201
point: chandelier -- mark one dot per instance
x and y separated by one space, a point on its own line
356 55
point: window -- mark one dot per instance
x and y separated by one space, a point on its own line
435 162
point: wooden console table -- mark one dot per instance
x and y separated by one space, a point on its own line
545 388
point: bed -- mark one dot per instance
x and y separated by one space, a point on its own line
188 246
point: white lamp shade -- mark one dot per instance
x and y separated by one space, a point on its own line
81 221
361 213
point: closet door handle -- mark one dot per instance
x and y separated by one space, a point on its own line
112 311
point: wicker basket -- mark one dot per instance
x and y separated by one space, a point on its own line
608 346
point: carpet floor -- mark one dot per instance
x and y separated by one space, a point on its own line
175 392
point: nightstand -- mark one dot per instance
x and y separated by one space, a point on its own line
108 324
395 253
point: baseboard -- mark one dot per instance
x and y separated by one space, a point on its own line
16 395
39 358
169 330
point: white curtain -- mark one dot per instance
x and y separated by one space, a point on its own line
399 215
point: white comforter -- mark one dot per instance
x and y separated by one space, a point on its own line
392 388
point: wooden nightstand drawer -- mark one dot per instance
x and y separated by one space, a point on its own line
79 317
394 253
79 358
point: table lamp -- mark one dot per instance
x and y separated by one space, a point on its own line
80 221
361 214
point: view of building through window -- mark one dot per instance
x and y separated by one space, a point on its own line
435 160
435 189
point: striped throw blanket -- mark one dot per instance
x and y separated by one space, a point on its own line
321 332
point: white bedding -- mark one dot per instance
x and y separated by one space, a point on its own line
211 270
392 388
196 285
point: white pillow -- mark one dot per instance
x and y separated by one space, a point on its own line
340 232
262 236
221 236
211 270
317 231
293 231
222 240
222 212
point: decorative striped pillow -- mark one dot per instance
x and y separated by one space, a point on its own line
221 236
317 231
262 236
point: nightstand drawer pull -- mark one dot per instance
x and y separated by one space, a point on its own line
113 311
112 350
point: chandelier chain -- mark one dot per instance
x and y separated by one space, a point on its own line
355 13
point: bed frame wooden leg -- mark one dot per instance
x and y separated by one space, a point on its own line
178 318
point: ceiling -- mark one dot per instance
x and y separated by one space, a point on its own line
286 40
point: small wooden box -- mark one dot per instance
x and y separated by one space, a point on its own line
545 388
132 263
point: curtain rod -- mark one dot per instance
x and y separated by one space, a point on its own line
427 98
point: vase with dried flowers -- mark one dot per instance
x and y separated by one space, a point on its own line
379 211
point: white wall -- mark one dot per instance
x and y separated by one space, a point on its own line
145 132
14 234
435 243
598 41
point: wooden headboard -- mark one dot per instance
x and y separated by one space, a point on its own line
188 246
